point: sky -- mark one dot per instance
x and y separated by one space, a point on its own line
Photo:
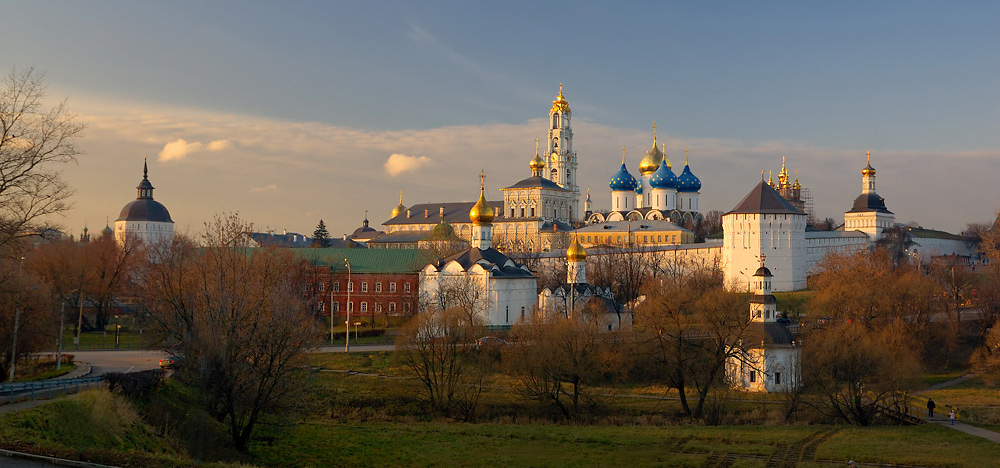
292 112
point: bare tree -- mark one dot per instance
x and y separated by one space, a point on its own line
689 326
439 349
857 371
34 141
238 317
555 358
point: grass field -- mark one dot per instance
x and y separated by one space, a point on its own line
377 417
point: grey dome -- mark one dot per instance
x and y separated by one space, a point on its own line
145 209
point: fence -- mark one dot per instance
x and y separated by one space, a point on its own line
35 389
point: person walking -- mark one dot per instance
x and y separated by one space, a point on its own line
951 416
930 408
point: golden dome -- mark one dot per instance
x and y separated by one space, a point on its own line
399 209
868 170
576 252
796 185
651 161
481 213
537 163
560 104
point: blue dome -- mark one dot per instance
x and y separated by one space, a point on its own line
623 181
687 182
663 178
638 188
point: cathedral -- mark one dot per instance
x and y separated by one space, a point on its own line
538 213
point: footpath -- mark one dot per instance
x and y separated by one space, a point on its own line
941 416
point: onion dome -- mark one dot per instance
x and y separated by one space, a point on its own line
651 161
663 178
481 213
868 170
687 182
537 163
442 231
576 252
399 209
763 271
622 180
796 185
107 230
560 104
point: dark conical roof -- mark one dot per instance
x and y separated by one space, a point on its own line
764 199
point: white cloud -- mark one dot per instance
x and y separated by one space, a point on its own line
266 188
400 163
180 148
219 145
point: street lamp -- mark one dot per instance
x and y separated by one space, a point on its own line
79 321
347 335
916 256
118 328
17 319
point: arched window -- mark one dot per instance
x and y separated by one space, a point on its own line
555 175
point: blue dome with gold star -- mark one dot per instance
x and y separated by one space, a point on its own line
623 181
687 182
663 178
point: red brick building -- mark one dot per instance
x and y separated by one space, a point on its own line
383 283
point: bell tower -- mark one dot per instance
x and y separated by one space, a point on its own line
560 161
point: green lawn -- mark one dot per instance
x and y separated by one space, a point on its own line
100 340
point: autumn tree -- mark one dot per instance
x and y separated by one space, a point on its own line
865 286
26 312
856 372
689 326
35 141
238 319
554 359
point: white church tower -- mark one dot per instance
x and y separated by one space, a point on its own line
560 165
869 214
764 223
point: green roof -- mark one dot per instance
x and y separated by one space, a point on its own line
369 260
933 233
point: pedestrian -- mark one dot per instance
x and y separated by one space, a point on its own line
930 408
951 416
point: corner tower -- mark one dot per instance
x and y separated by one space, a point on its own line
561 164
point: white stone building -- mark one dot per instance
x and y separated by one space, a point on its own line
501 290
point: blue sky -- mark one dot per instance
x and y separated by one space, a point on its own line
288 111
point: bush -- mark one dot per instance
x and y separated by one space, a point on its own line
135 385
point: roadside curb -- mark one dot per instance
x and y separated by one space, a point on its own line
82 370
53 460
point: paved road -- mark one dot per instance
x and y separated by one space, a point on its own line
8 462
103 362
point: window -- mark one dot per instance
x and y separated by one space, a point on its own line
336 307
777 378
378 286
392 307
364 286
322 286
406 307
350 307
406 287
322 306
532 212
378 307
392 286
335 286
753 376
522 212
350 286
364 307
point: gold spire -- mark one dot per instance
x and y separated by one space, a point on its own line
685 155
770 178
481 213
399 208
783 175
537 163
560 104
623 154
576 252
666 159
